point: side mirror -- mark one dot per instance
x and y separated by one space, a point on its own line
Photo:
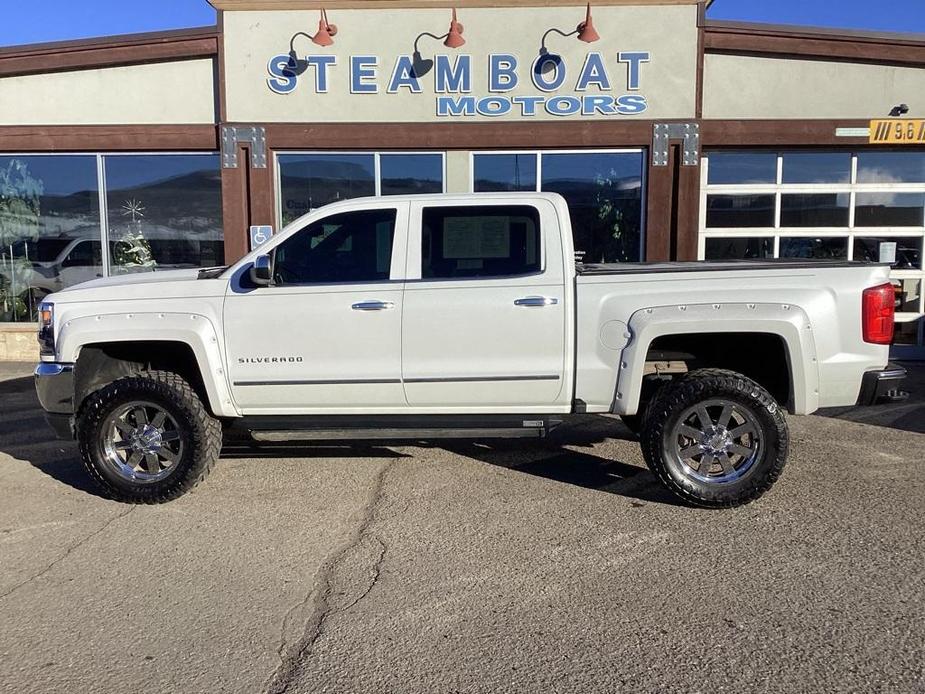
262 271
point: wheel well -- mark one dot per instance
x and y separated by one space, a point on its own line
100 364
763 357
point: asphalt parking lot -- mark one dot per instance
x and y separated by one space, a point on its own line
559 567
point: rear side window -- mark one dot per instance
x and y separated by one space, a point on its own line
486 241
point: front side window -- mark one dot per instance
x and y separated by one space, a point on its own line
347 247
487 241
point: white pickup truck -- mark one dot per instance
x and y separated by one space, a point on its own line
458 316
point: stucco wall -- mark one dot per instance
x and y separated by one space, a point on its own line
750 88
252 38
165 93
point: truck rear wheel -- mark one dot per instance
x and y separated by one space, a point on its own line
715 438
147 438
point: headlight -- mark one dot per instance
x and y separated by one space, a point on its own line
46 329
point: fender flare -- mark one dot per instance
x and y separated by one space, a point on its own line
194 330
787 321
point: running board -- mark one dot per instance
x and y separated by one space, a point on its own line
356 434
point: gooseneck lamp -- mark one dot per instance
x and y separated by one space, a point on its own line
452 39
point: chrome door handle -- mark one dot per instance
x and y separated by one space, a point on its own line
536 301
373 306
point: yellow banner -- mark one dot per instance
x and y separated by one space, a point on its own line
896 131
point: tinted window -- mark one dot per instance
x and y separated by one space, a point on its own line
348 247
815 210
459 242
165 212
891 167
822 248
504 172
411 174
310 181
908 251
604 195
739 249
728 211
890 210
45 204
817 167
742 168
85 253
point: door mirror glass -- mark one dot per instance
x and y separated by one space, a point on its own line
262 271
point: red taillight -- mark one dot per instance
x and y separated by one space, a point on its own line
878 313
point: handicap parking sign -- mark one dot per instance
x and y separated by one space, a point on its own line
260 235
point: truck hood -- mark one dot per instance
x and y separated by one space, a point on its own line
170 284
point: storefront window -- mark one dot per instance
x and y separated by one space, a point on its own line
603 189
164 212
604 195
49 229
309 180
864 206
505 173
411 174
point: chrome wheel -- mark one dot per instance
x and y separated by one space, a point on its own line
715 441
141 442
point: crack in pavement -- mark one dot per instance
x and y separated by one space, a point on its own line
291 657
70 550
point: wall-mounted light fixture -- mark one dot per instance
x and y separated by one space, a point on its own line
323 37
899 111
452 39
585 31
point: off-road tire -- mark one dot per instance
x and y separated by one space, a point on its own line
200 431
698 386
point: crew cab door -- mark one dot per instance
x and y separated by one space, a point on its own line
484 326
326 336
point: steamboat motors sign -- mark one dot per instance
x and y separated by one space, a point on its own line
600 85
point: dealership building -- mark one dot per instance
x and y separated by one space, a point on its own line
671 136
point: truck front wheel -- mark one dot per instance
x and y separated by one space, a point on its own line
715 438
147 438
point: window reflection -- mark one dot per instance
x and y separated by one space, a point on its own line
890 210
49 215
739 249
742 168
891 167
743 211
815 210
411 174
164 212
310 181
604 195
499 173
817 167
820 248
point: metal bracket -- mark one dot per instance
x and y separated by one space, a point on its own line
666 132
253 135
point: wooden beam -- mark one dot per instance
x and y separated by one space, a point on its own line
334 5
779 133
789 42
131 49
93 138
450 136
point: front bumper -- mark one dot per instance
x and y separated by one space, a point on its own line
883 386
54 384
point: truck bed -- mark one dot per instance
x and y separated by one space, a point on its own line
595 269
